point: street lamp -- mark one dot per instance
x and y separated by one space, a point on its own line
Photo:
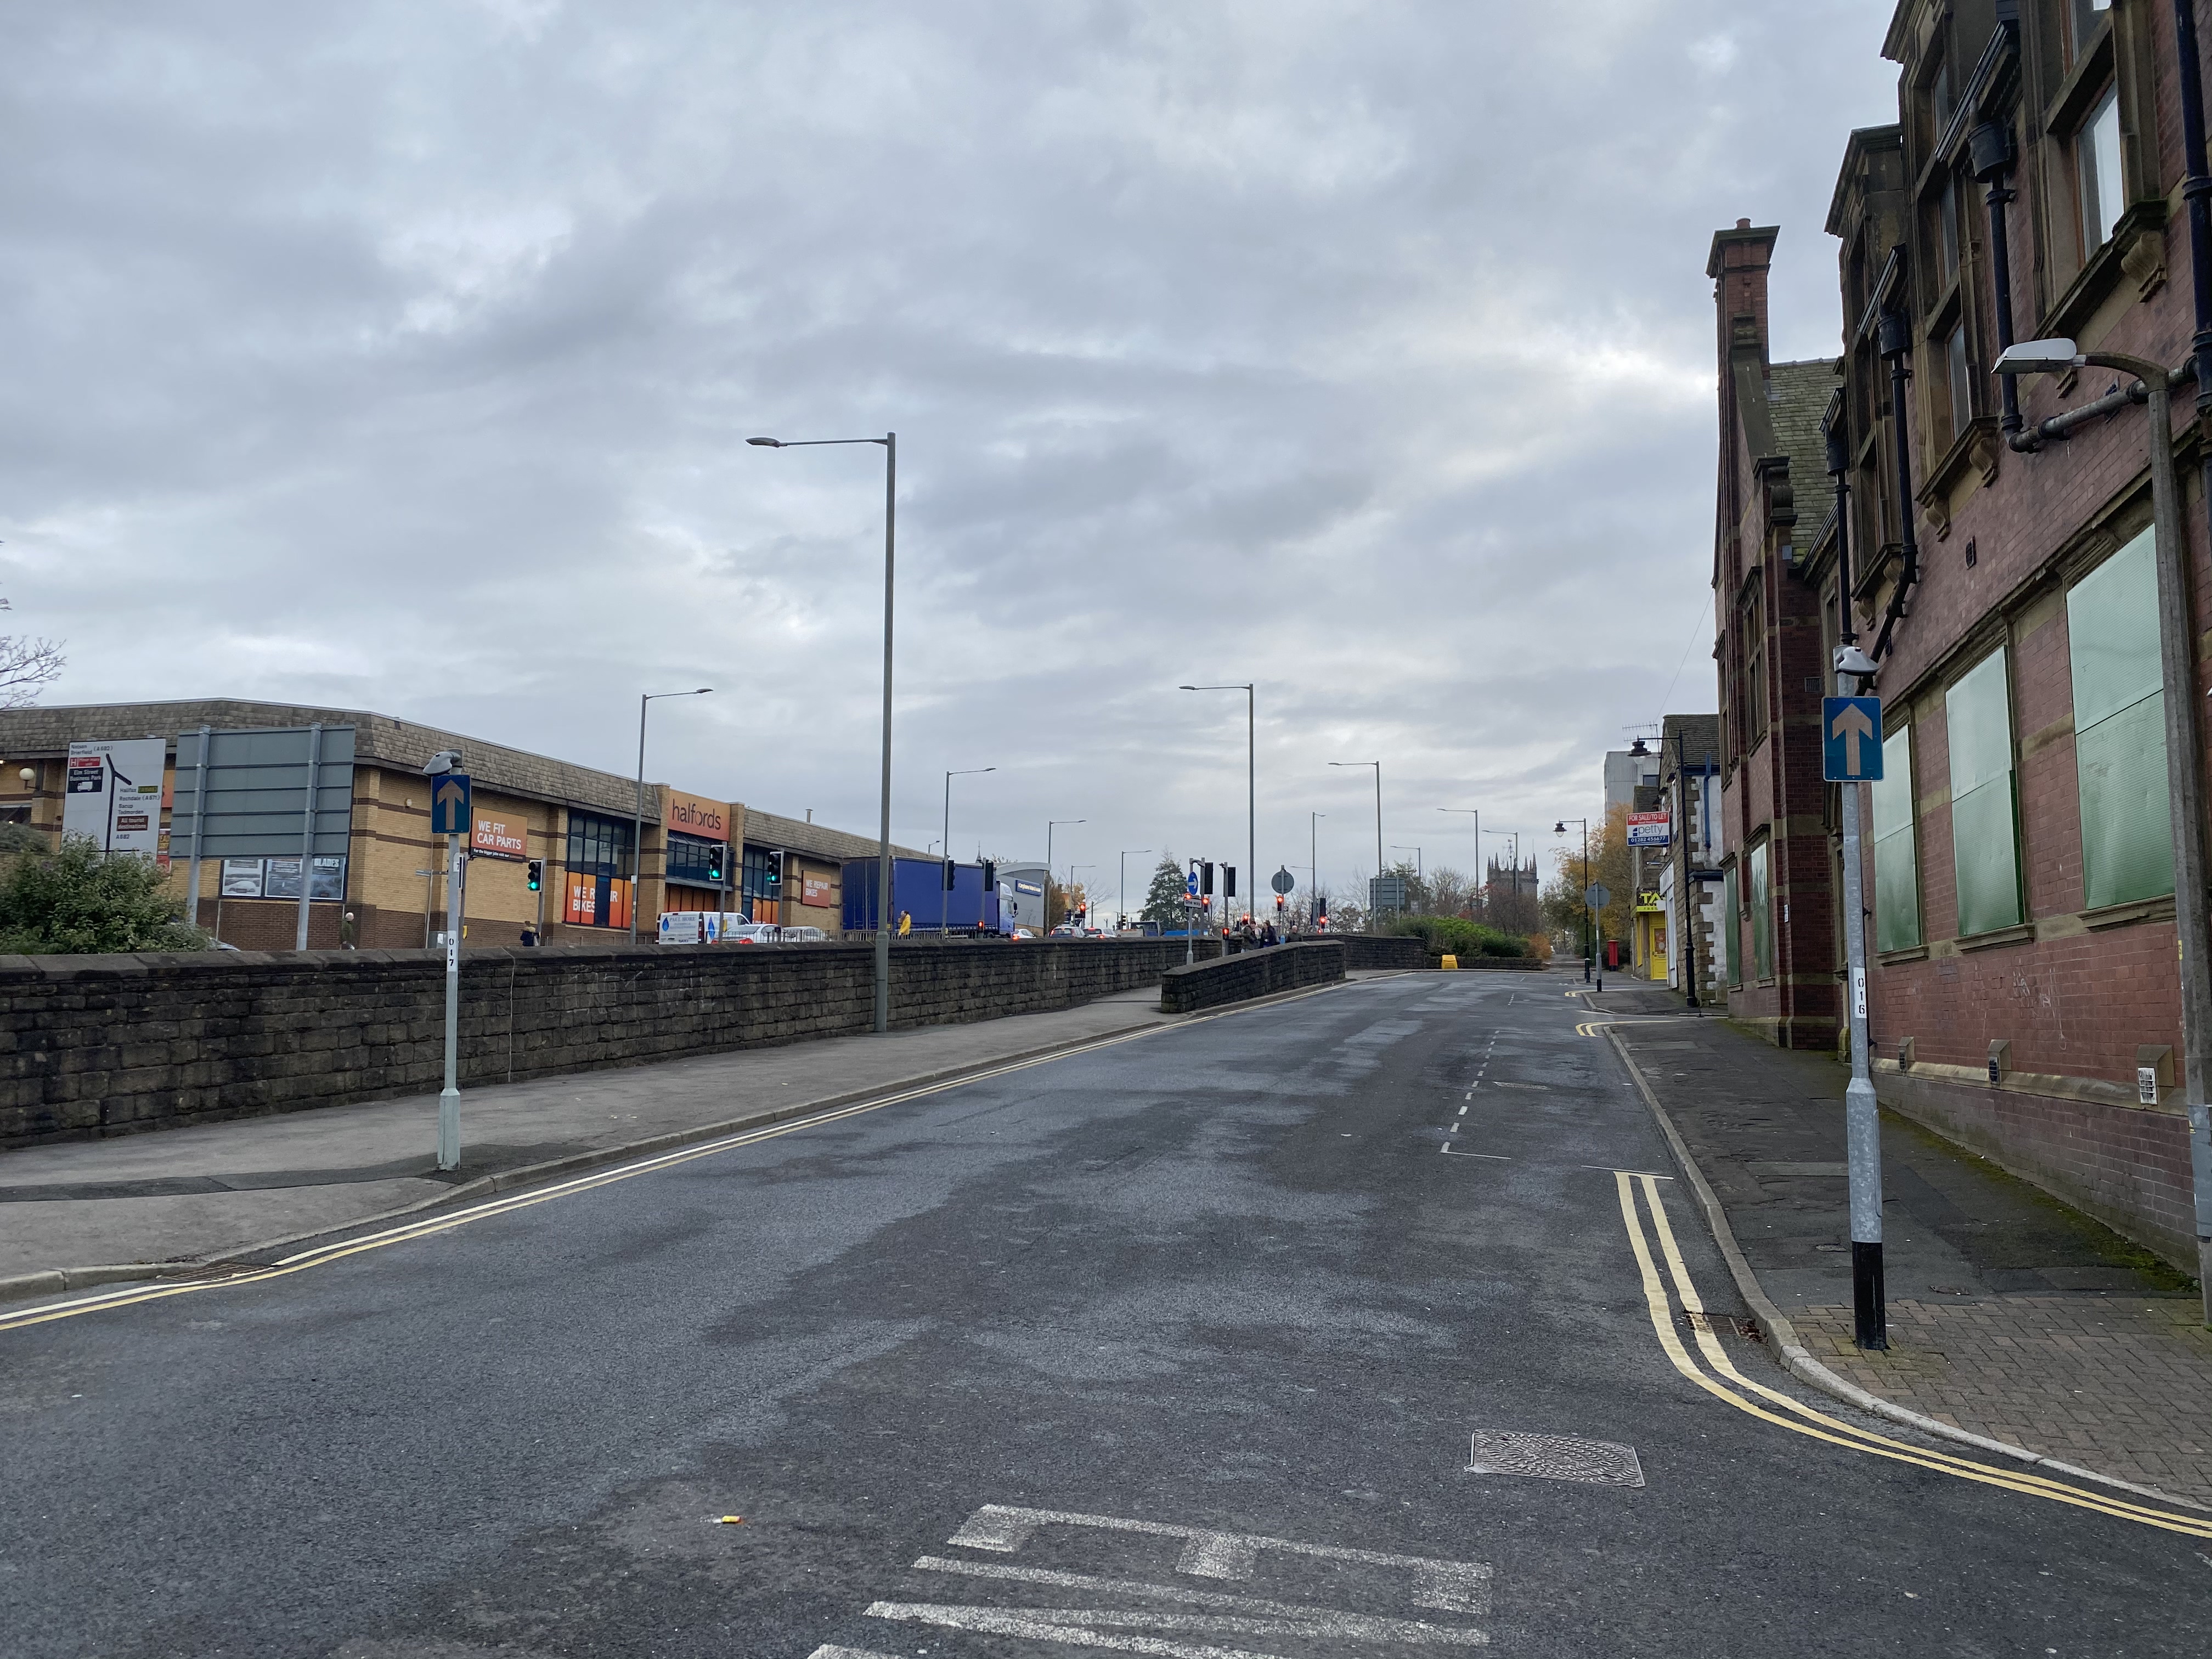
1121 886
1251 793
1377 765
945 908
889 441
1049 827
637 823
1590 935
2184 785
1312 867
1474 812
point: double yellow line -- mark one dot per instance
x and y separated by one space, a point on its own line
323 1256
1800 1418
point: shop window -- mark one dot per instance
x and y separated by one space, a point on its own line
1896 854
1984 816
600 845
2119 729
697 861
1762 923
2097 184
760 880
1731 927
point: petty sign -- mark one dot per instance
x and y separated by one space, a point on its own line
1850 739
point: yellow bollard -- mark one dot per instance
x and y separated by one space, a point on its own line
1449 962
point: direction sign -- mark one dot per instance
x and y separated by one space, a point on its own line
1850 739
1597 896
449 805
1281 881
1190 885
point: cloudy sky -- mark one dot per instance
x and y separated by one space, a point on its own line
400 356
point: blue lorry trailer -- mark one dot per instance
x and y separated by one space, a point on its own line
918 889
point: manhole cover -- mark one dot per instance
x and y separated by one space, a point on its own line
1552 1457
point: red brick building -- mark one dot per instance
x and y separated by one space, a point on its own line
2020 850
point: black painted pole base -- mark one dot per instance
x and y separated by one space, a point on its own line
1867 1298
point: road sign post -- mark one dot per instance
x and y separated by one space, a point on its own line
1850 745
1282 881
449 816
1595 898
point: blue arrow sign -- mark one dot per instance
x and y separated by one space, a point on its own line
449 805
1850 739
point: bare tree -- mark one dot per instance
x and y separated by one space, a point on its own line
26 665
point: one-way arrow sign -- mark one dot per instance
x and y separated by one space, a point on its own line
1850 739
449 805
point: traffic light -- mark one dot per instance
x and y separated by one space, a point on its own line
1205 877
775 870
1229 881
537 874
1278 904
990 875
950 866
713 866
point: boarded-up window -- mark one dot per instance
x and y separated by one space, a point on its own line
1984 824
1731 927
1896 862
2119 729
1762 923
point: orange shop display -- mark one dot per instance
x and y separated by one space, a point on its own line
596 901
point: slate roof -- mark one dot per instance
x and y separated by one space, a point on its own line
1696 735
1797 395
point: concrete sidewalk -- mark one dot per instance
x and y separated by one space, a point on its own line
2011 1315
198 1195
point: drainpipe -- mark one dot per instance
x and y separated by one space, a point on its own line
1990 147
2196 191
1895 340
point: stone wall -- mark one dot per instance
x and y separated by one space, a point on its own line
93 1045
1252 973
1378 950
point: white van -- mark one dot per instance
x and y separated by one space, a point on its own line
701 926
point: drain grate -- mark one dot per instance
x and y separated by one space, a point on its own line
1552 1457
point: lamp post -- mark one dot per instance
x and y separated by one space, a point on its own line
1312 867
944 907
1419 880
1122 884
1589 938
889 441
1251 793
2184 792
637 823
1051 825
1377 765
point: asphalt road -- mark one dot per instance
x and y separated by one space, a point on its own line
1178 1346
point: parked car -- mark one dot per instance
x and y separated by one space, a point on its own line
804 936
1066 930
752 932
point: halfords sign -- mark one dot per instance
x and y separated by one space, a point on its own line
696 816
1648 829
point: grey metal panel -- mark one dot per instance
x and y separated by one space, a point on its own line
257 785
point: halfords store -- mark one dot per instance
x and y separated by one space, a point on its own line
251 794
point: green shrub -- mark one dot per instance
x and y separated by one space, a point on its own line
79 902
1456 936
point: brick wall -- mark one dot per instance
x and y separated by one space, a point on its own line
1253 973
93 1045
2127 1166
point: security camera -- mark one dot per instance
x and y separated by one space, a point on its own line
444 761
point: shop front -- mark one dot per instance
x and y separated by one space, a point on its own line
1652 953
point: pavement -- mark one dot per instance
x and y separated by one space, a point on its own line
1372 1321
199 1194
2011 1315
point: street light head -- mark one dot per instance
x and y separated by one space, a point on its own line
2039 357
1854 662
445 761
1560 828
702 691
767 443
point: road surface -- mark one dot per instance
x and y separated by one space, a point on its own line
1368 1322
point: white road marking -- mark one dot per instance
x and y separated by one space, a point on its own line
1081 1627
1356 1627
1448 1586
831 1650
1495 1158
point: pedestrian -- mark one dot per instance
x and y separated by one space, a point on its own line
529 934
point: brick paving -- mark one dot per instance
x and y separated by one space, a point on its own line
2119 1384
2010 1315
